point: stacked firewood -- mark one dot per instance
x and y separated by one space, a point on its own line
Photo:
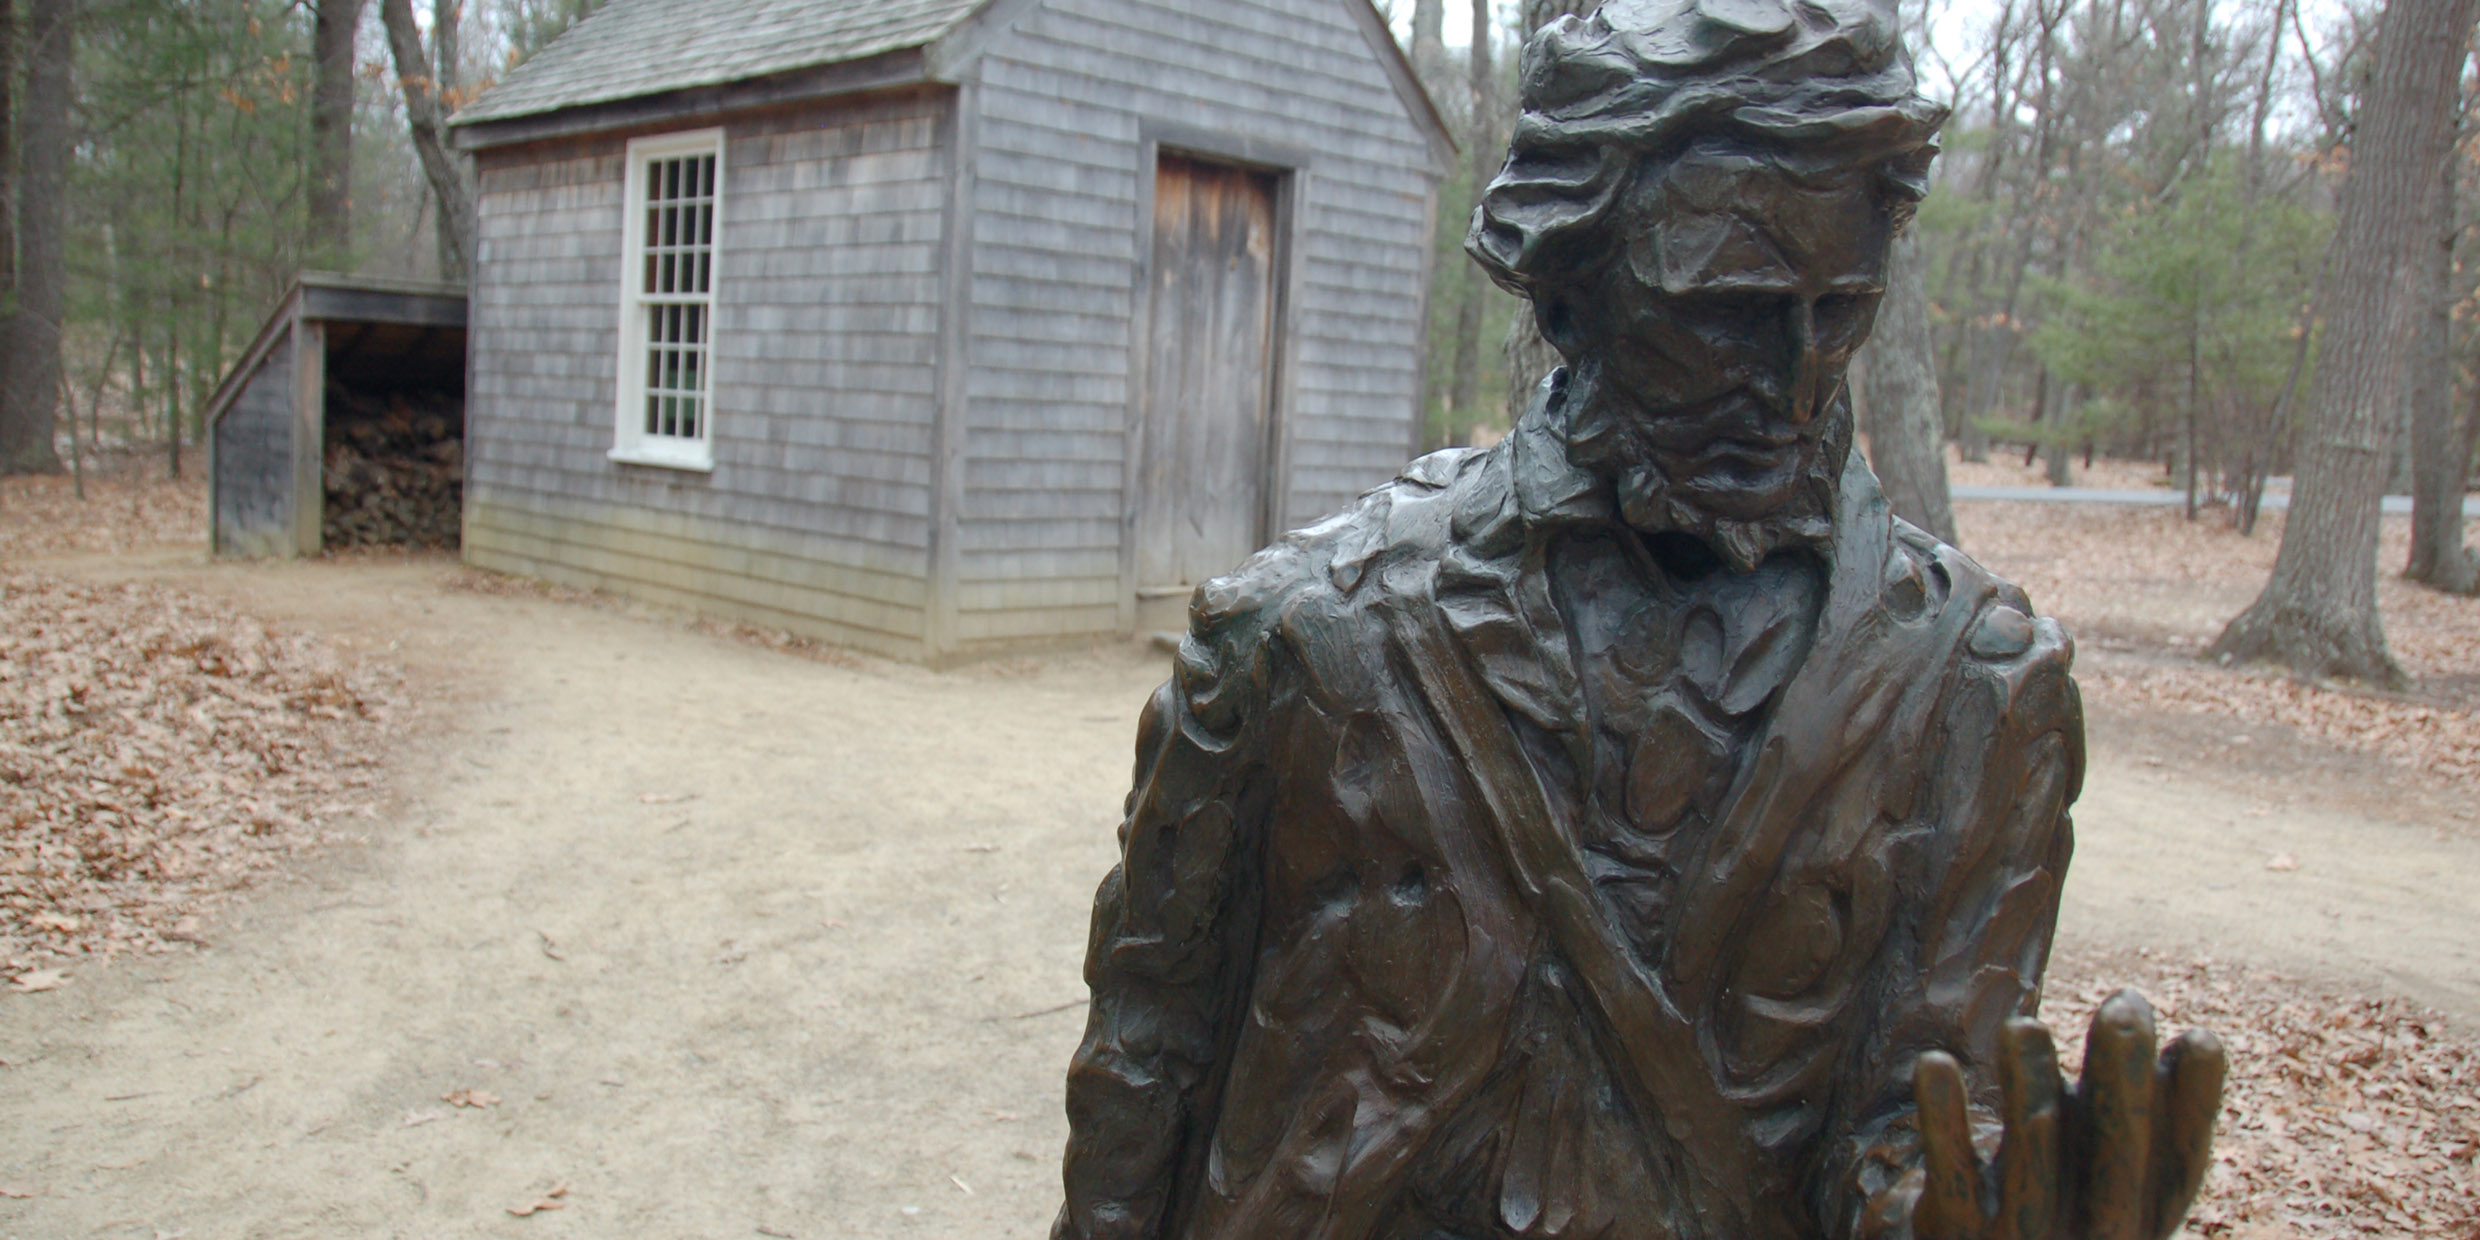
395 468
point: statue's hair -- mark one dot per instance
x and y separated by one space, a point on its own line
1819 86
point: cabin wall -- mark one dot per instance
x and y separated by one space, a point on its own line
253 461
1067 99
817 515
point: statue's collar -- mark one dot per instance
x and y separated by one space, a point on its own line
1550 489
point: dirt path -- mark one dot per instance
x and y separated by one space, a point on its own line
745 944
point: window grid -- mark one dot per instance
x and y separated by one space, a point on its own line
675 290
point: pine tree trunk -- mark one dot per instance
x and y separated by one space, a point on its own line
2318 614
8 159
425 116
30 336
2440 462
1464 384
1907 444
332 27
444 17
1429 45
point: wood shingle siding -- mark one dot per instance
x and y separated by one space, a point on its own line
817 512
253 461
1063 170
934 299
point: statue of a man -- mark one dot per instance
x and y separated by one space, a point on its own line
1631 831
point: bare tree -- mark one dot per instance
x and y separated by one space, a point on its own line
2440 457
446 16
332 27
1429 42
426 116
1464 385
2318 614
30 335
8 158
1907 441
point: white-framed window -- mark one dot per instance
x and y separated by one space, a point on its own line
667 301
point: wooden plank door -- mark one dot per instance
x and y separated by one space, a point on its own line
1201 494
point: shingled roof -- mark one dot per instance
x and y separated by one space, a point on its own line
633 48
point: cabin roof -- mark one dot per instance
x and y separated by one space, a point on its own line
633 48
636 61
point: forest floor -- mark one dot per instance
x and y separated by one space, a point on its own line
654 928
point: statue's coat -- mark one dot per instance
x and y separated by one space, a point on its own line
1354 977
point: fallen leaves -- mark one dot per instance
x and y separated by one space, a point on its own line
549 1200
33 980
475 1098
129 506
157 748
2342 1116
415 1119
2148 590
2283 862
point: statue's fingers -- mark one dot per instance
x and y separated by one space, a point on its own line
1949 1207
2028 1160
2190 1099
2115 1118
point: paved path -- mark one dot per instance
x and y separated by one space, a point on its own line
2097 495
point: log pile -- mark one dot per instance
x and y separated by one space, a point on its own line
395 469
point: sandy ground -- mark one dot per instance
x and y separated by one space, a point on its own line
746 944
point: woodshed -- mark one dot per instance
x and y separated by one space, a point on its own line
936 325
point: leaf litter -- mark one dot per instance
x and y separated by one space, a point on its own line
158 749
2343 1116
2145 591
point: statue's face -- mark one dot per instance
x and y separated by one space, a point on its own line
1722 327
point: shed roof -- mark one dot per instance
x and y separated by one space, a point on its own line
621 64
630 48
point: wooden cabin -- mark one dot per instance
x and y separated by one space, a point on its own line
938 325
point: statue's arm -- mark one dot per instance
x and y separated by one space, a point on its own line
1993 863
1166 958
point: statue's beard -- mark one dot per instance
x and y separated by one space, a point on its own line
1744 502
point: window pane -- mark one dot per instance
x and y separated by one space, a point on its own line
689 417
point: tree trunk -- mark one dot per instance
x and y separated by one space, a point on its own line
332 27
2318 613
1464 383
1429 45
30 336
1906 435
425 116
445 15
2440 463
1529 360
2058 455
8 159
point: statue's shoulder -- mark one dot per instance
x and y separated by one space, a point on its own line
2029 656
1317 585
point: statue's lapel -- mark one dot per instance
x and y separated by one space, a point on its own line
1493 585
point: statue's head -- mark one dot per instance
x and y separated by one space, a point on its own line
1698 200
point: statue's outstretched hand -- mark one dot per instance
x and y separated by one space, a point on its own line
2119 1156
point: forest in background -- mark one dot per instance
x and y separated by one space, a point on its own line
214 149
2129 250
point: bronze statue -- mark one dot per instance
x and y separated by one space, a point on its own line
1630 831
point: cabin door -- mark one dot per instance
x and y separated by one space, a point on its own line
1201 488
